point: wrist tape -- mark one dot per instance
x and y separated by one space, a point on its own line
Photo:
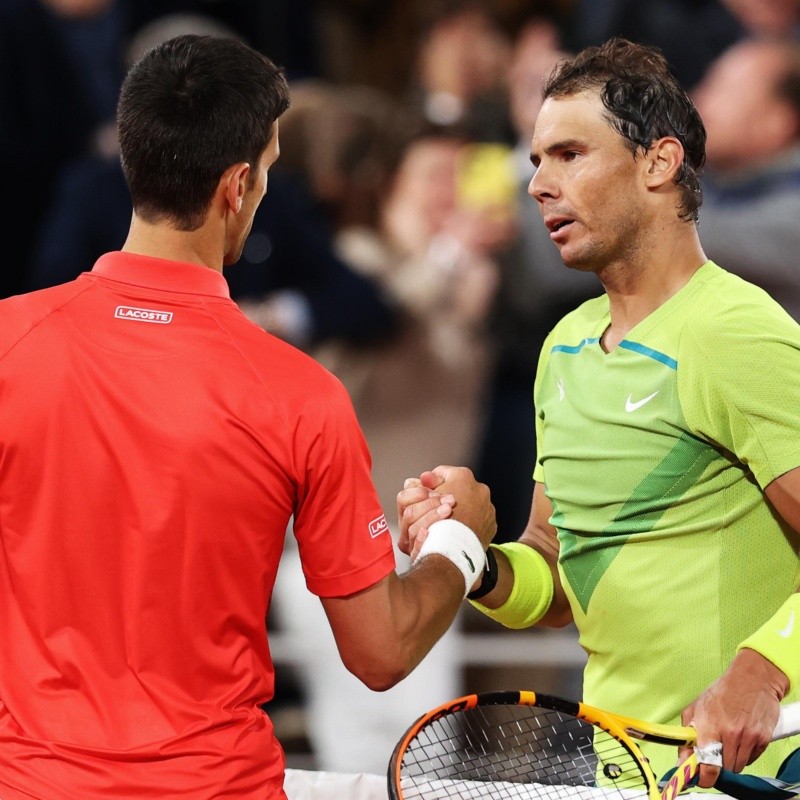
531 593
778 640
455 541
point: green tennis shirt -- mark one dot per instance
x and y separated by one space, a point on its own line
655 457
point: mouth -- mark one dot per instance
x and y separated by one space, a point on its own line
555 225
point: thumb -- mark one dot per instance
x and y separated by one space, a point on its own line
432 479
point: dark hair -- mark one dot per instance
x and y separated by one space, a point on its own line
190 108
645 102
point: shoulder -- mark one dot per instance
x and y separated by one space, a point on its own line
282 368
23 313
727 307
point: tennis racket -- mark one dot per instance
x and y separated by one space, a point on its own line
527 745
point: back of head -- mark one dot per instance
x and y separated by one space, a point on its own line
190 108
644 101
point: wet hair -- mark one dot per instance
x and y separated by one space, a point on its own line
644 101
189 109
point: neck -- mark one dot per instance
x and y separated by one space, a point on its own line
638 285
161 240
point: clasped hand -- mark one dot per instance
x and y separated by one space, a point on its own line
442 493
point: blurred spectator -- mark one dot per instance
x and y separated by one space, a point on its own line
303 291
536 290
461 60
766 17
395 208
691 33
750 104
60 71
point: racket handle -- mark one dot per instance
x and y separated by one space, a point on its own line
788 722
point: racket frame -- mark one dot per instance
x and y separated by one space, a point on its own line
624 729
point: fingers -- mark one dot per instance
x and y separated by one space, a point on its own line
732 749
420 516
412 492
709 756
438 494
419 540
417 508
433 478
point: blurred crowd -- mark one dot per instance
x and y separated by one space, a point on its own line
397 243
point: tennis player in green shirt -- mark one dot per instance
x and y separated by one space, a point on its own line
667 486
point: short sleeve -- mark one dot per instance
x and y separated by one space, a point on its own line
342 534
544 358
739 385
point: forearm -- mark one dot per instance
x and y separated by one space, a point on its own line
383 632
424 605
386 631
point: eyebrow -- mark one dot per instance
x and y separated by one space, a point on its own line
557 147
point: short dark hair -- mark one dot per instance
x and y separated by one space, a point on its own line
644 100
188 109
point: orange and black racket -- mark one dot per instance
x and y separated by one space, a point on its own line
514 745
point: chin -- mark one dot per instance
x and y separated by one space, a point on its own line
575 262
586 260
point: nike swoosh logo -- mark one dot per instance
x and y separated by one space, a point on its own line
787 631
471 562
630 405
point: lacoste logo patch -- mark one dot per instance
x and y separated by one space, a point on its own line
143 314
378 526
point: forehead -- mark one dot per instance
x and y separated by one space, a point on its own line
579 117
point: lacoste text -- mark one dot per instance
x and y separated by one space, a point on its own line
378 526
143 314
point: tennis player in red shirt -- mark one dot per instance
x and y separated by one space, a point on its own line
154 446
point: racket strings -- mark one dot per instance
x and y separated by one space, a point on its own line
514 752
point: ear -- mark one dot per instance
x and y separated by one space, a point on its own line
234 184
662 162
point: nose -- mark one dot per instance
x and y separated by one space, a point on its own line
542 186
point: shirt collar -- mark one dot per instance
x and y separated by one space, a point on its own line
160 273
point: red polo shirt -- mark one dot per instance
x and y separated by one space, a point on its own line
154 445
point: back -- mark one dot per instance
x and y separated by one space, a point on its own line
153 447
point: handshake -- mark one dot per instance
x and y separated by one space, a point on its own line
447 494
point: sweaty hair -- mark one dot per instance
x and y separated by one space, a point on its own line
644 102
188 109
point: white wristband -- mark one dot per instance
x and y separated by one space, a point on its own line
455 541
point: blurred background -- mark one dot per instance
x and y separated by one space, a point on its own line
398 246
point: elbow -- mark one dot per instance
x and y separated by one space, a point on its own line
380 672
382 681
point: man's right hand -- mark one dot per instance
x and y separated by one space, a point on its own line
438 494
